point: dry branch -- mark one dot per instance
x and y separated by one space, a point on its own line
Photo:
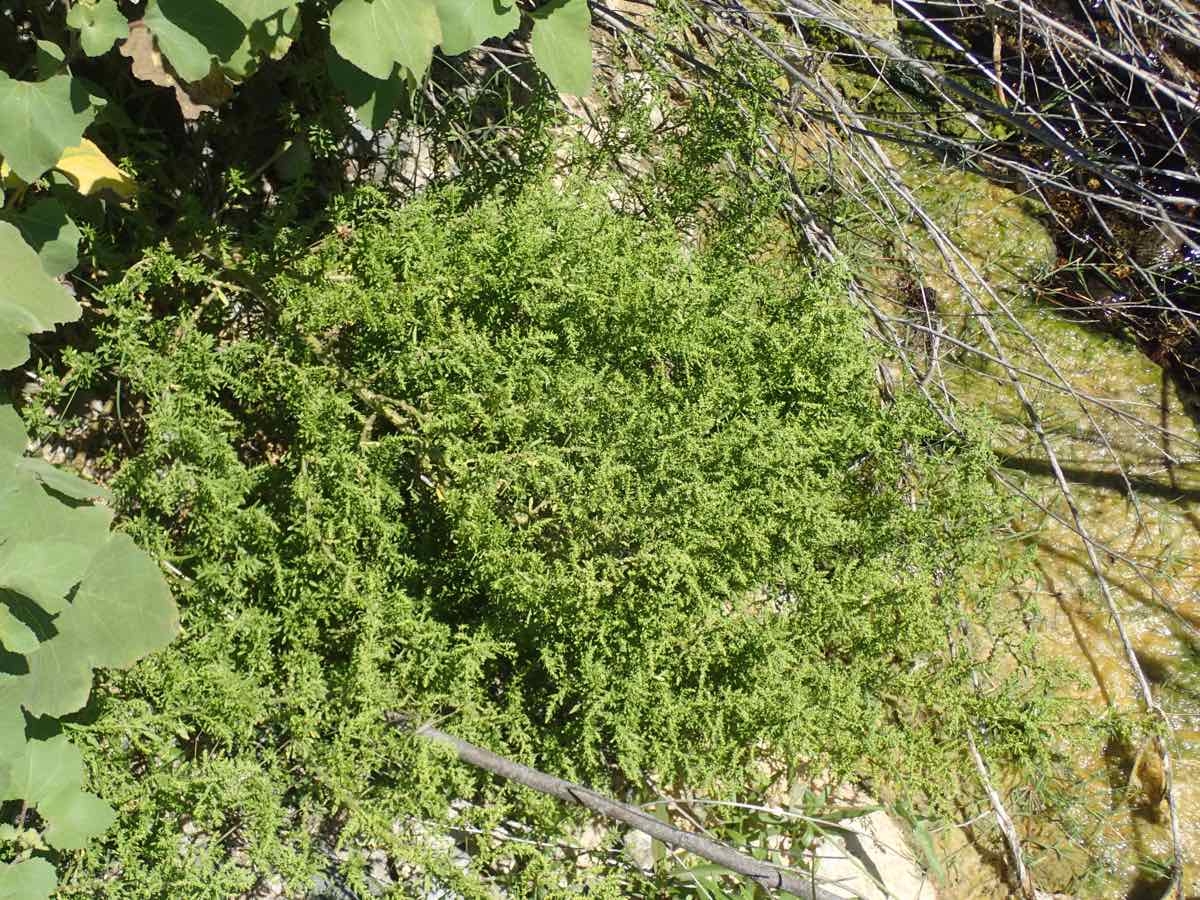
764 874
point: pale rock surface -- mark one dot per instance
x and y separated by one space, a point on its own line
873 860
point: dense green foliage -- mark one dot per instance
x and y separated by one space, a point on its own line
74 597
610 492
593 497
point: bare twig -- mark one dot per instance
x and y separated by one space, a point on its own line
764 874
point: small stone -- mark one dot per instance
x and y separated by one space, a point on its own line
640 848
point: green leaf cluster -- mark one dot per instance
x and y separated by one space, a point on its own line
384 40
613 504
74 596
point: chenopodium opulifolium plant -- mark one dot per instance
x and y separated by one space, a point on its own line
380 50
74 596
606 502
663 481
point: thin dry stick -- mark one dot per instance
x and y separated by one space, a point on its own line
764 874
953 257
1004 820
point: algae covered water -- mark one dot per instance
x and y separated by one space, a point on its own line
1129 452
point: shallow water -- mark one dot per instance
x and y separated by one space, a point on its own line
1106 446
1132 459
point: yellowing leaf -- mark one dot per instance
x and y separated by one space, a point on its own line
91 170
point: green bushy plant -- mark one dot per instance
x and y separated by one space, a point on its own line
72 596
611 503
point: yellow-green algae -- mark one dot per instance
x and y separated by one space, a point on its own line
1136 489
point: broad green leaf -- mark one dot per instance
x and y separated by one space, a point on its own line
32 513
44 570
91 171
378 35
31 507
44 769
147 64
121 611
120 608
29 879
186 54
48 59
15 635
74 817
48 229
561 44
30 301
190 33
49 775
103 603
373 100
62 481
269 34
251 11
13 437
40 119
99 23
468 23
12 734
59 678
